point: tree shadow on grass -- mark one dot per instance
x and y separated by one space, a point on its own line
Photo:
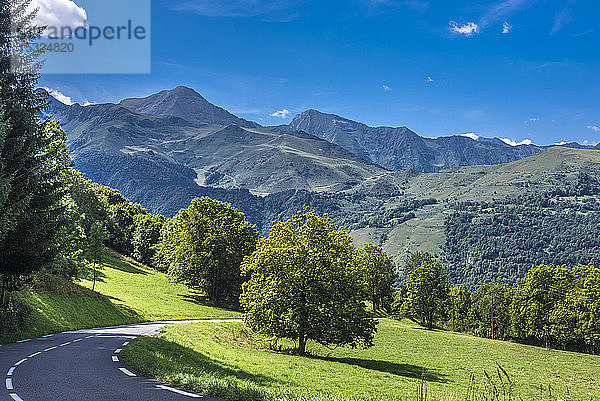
197 299
201 299
177 358
123 266
398 369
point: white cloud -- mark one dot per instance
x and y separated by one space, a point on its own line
429 79
471 135
468 29
87 103
59 96
560 143
386 88
506 28
281 113
57 14
532 120
593 128
515 143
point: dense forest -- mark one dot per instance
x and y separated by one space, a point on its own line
500 241
552 306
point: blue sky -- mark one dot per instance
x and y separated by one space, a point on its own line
518 69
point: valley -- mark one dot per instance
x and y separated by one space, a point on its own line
166 149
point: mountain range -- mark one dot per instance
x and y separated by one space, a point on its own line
402 149
393 148
384 185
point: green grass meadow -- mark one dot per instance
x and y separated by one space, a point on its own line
220 360
126 292
150 293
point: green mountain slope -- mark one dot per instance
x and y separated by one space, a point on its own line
262 160
538 175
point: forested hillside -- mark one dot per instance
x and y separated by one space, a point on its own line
489 222
501 241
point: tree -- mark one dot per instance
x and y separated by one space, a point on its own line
460 307
204 246
29 196
415 260
304 285
490 311
535 297
575 320
121 218
426 292
379 274
97 237
146 234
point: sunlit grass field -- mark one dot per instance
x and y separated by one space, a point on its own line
221 360
126 293
150 293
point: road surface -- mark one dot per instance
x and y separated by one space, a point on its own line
83 365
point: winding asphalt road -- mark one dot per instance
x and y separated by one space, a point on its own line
82 365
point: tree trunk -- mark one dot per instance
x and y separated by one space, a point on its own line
3 297
94 283
301 344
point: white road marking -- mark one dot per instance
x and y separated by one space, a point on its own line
62 345
175 390
10 371
47 335
79 339
9 385
115 358
118 350
20 362
128 373
24 341
15 397
50 349
34 355
125 343
90 336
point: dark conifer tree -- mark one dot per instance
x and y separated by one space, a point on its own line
30 189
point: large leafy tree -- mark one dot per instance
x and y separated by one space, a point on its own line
575 320
304 285
490 310
30 191
459 308
426 291
203 247
535 297
379 274
146 234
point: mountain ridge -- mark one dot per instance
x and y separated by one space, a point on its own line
399 148
185 103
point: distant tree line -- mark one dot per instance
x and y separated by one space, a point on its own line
552 306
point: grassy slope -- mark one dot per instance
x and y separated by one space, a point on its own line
126 293
70 308
201 357
150 293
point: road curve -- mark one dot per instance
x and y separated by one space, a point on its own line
83 365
